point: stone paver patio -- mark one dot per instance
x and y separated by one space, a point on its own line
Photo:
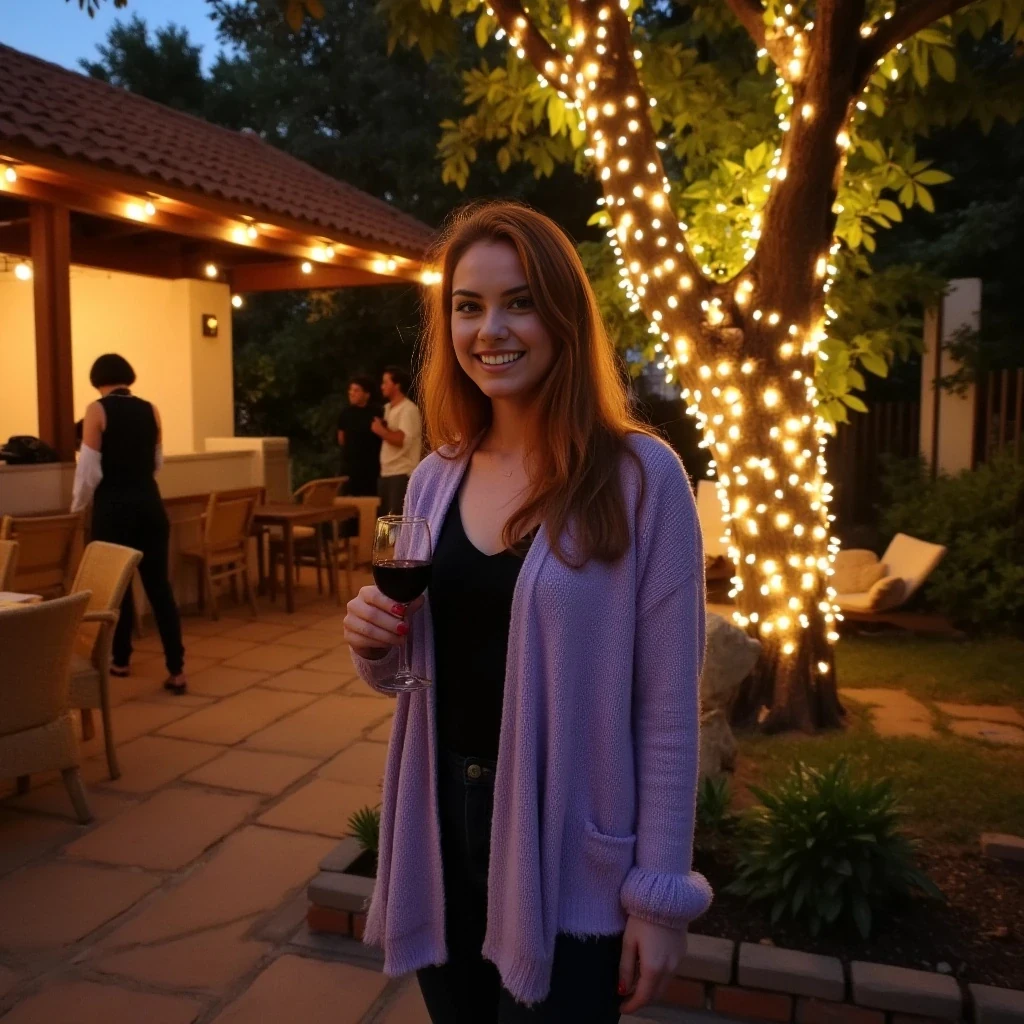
184 901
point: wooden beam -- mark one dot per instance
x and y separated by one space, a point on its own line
62 171
51 266
272 277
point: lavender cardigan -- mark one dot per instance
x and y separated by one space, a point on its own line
597 761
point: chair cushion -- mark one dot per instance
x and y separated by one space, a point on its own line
856 574
884 595
888 592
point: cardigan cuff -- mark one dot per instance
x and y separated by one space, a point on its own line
665 899
375 670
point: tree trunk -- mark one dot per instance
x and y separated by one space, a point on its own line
743 351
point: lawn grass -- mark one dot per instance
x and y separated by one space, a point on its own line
987 671
952 788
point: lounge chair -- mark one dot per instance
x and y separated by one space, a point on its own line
873 589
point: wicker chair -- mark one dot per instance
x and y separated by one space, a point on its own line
311 547
105 573
37 732
223 552
8 563
49 548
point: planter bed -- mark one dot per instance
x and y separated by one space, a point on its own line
832 980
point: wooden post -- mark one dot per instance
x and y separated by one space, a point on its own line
51 268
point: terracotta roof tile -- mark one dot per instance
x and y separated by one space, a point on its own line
58 111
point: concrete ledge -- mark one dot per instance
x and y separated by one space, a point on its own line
342 856
902 990
789 970
338 891
708 959
1003 847
997 1005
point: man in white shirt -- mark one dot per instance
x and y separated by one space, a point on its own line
401 431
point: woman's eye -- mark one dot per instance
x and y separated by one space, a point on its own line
522 302
465 307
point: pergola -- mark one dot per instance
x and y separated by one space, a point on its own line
95 176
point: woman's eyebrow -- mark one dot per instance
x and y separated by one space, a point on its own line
476 295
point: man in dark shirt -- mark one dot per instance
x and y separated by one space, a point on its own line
360 445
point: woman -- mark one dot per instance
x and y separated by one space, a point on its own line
538 808
120 453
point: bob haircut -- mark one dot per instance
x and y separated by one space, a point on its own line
111 370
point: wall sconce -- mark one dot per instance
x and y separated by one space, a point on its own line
210 325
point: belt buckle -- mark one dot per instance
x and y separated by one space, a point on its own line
474 771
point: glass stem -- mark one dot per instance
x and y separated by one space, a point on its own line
404 668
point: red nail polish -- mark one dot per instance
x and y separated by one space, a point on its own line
402 629
399 610
622 989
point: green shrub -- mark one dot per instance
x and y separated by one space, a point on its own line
364 827
826 850
979 516
713 799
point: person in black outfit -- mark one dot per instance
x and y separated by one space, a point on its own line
360 445
120 453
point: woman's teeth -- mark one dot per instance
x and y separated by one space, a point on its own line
498 360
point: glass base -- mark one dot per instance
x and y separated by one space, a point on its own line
403 682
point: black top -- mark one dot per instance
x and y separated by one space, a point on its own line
129 441
471 606
362 445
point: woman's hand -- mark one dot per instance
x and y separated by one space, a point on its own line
659 951
374 623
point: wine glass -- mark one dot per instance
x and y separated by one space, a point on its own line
401 570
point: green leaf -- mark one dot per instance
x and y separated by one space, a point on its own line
889 209
907 195
945 64
483 29
600 218
924 197
504 159
933 177
872 150
875 364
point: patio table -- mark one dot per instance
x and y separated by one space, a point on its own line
287 516
10 599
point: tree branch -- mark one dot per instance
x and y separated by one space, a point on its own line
544 56
908 20
750 14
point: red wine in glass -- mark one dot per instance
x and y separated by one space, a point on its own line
401 570
403 580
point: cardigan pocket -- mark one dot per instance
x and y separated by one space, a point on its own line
609 858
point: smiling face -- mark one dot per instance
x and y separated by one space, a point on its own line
500 340
357 396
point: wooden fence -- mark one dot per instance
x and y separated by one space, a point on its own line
999 422
854 457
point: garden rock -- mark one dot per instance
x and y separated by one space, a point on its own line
730 657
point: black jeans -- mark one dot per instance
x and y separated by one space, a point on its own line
467 989
137 520
392 494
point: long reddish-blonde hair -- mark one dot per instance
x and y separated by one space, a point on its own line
583 410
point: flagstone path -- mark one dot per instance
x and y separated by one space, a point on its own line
896 713
184 901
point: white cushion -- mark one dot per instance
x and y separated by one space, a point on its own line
912 560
